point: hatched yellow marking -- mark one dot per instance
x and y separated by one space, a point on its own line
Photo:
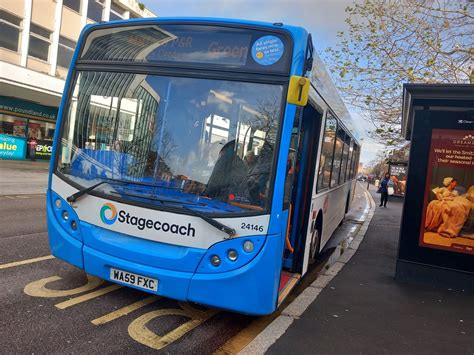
39 289
27 261
87 296
124 310
140 333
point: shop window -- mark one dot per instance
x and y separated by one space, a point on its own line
42 133
10 30
12 126
327 153
40 40
65 51
95 10
116 12
73 5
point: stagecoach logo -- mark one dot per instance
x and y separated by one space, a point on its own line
108 213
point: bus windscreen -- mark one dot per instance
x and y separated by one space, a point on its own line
208 145
195 45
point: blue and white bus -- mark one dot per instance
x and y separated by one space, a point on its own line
195 159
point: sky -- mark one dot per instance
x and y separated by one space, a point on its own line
322 18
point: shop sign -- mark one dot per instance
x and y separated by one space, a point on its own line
23 108
44 149
12 147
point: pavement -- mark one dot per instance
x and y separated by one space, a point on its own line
23 177
363 310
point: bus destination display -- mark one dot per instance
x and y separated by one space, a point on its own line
203 48
190 44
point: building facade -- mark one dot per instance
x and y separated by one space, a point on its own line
37 41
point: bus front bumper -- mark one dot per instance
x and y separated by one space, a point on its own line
250 289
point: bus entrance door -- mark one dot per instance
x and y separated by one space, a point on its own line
299 186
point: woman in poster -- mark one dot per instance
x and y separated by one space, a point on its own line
447 214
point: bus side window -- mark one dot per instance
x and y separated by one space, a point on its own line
350 160
345 160
336 166
327 153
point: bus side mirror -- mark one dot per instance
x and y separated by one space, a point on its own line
298 90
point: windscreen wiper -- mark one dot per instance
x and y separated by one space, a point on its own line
216 224
75 196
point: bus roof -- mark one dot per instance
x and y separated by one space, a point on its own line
324 85
207 20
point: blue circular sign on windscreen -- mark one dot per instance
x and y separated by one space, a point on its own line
267 50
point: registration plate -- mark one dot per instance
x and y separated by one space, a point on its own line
132 279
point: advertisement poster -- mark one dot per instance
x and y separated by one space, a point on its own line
398 174
19 128
12 147
43 149
34 130
448 212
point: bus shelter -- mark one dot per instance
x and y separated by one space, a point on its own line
436 243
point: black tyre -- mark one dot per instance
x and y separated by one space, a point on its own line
315 243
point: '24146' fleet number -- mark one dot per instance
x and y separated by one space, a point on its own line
254 227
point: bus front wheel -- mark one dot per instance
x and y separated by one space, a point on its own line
315 244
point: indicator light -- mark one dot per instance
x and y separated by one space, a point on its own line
232 255
65 215
248 246
215 260
74 225
57 203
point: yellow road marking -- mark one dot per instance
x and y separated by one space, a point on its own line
39 289
139 331
246 335
24 262
124 310
87 296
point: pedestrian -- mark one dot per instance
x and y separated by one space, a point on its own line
32 143
384 190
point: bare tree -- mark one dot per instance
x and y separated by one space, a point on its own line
389 43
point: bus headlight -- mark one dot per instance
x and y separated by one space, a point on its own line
232 255
65 215
248 246
215 260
